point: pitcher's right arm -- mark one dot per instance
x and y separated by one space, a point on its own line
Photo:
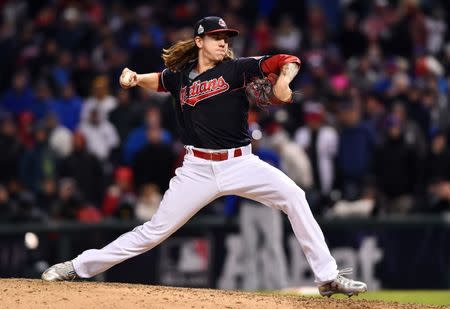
150 81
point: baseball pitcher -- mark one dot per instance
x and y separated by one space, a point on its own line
213 91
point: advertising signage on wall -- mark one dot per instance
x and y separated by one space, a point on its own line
386 253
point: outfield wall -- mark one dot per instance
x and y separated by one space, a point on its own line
388 253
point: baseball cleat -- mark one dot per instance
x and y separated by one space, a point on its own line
60 272
343 285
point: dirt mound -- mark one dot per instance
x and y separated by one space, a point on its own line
25 293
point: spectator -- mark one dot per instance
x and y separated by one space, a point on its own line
154 163
437 107
6 206
416 110
8 49
375 113
320 142
71 32
25 127
412 133
118 60
60 138
317 35
103 53
29 46
319 77
68 107
446 60
148 202
399 84
396 169
138 138
47 58
19 98
101 136
85 169
46 197
293 160
363 73
436 30
412 21
42 102
26 210
288 36
262 38
351 40
146 56
437 173
355 150
125 209
146 100
101 99
12 150
62 71
39 162
15 189
69 201
82 75
119 192
124 115
242 42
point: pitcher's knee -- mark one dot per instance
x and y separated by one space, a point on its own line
293 196
293 192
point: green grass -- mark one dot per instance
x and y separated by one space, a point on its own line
436 297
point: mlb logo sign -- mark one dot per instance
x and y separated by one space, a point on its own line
186 261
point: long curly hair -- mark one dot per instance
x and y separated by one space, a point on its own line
181 53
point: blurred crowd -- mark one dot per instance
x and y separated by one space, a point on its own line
366 135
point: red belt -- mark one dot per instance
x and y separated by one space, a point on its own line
215 156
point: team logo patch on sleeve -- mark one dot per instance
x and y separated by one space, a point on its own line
199 90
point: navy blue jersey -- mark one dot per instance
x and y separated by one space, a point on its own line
212 108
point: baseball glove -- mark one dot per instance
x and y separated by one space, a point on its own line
260 91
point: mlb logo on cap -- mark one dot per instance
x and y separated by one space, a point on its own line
213 24
222 23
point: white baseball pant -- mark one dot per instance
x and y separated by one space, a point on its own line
197 183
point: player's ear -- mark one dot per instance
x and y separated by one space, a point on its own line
198 41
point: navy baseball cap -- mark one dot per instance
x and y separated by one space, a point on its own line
213 24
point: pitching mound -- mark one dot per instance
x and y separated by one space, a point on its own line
24 293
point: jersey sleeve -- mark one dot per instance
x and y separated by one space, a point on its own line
255 67
250 67
273 64
168 81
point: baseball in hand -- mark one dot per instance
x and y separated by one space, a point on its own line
128 78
